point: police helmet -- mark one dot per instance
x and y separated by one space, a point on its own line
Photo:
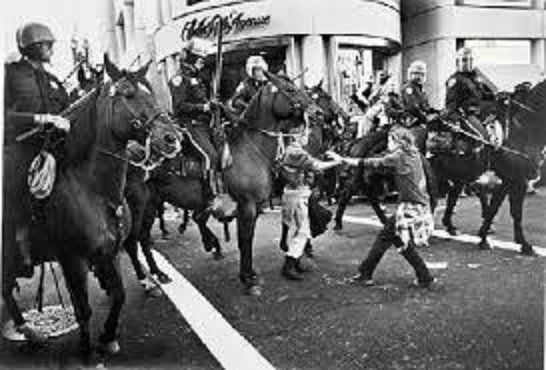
255 61
33 33
417 66
464 59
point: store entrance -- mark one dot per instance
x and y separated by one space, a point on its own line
234 68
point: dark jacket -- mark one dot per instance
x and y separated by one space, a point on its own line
467 91
415 102
189 94
245 92
28 91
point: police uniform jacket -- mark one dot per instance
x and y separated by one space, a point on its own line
189 94
29 91
466 91
245 92
415 101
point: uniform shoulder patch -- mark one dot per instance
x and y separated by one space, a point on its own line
451 82
177 80
409 90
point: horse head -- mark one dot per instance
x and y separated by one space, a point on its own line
524 113
135 113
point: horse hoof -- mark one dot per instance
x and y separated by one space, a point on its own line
484 245
218 255
162 277
527 250
151 288
452 230
154 292
253 291
110 348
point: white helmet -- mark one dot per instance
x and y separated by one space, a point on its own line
417 66
255 61
465 60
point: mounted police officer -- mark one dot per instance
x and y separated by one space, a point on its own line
414 97
192 106
255 80
468 96
32 97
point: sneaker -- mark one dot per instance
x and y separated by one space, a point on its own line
362 279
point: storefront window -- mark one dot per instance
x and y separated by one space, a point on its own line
500 51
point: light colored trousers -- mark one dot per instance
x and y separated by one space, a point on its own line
295 215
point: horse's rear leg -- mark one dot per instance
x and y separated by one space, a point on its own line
496 201
186 219
517 199
210 241
344 198
452 197
75 274
246 225
107 270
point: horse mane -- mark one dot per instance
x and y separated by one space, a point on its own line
82 135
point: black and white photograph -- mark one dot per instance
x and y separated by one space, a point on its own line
273 184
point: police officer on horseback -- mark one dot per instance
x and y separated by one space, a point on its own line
414 97
255 80
192 106
468 97
32 97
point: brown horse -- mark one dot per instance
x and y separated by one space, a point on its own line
85 219
255 148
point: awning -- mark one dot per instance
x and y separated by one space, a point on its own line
504 77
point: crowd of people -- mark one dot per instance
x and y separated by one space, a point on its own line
34 96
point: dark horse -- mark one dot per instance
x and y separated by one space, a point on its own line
177 181
335 119
255 147
525 123
85 219
515 163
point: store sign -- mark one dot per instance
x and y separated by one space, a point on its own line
232 23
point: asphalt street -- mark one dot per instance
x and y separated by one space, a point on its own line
486 312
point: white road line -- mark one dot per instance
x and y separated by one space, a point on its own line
464 238
229 347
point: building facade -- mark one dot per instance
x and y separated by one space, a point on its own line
340 42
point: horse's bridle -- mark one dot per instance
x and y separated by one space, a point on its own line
136 124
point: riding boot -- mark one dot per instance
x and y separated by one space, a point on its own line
289 270
23 241
423 275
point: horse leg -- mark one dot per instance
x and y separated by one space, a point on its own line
75 274
496 201
481 193
160 216
517 199
108 273
146 243
452 197
210 241
246 224
376 206
182 227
